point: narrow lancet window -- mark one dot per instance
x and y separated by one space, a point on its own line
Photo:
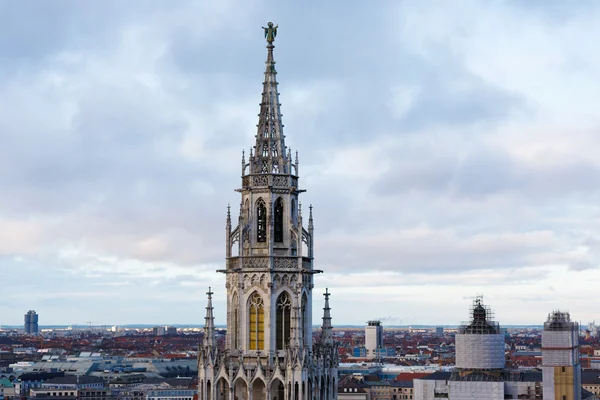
256 322
304 323
278 221
284 306
236 328
261 222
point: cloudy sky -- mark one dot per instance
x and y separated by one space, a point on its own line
450 148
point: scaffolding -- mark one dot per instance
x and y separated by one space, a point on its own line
476 390
479 343
560 321
482 320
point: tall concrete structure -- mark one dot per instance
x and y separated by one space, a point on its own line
373 338
560 358
31 322
269 351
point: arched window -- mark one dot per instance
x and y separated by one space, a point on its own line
284 306
293 211
278 221
261 221
256 322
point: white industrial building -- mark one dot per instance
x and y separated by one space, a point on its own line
373 338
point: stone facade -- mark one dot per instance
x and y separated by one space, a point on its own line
269 351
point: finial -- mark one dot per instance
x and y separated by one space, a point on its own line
243 157
296 157
209 293
270 32
250 152
326 294
300 209
228 214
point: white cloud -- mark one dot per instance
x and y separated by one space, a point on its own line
448 150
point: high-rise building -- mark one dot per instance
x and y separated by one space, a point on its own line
439 331
269 351
159 331
31 322
560 357
373 338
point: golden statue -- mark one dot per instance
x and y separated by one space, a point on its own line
270 32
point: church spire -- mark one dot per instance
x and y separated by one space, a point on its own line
326 329
209 324
270 151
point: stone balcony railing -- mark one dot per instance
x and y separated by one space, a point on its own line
270 180
266 262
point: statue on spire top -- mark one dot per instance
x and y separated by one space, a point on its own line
270 32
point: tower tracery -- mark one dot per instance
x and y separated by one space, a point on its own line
269 351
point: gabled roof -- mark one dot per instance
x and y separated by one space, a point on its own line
348 382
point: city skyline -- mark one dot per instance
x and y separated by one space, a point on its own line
448 151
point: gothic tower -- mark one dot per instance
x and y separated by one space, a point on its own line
269 351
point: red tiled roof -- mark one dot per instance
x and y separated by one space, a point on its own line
409 376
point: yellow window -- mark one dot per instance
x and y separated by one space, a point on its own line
257 322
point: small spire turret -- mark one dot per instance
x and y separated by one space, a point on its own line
326 329
228 232
243 162
311 232
209 324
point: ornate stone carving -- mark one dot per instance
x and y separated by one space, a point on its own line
256 262
294 240
260 180
285 263
281 181
247 243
